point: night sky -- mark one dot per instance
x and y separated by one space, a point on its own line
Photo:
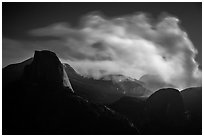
19 18
137 40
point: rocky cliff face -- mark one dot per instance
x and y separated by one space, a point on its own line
40 103
47 69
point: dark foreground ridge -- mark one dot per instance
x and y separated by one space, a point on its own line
43 96
39 103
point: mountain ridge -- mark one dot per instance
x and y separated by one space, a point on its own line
40 104
37 101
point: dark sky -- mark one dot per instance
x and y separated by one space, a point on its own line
19 18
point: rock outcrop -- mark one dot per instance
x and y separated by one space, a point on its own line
165 112
40 103
46 69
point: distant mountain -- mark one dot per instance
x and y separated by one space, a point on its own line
129 86
106 90
120 78
98 91
40 102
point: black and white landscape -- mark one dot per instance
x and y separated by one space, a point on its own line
101 69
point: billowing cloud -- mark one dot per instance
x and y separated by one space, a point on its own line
132 45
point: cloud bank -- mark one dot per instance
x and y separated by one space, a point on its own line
132 45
